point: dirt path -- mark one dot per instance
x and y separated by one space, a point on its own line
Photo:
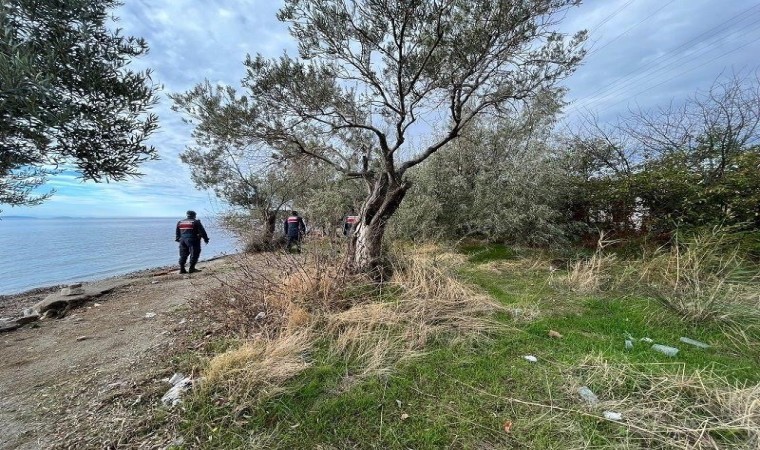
91 370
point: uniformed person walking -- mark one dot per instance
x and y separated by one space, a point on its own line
295 228
189 233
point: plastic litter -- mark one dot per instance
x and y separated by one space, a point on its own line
699 344
628 344
530 358
588 395
612 415
173 395
647 340
664 349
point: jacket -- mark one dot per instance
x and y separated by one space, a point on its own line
190 228
294 226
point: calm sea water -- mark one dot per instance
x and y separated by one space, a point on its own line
45 252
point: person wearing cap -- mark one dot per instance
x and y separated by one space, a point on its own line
295 228
189 233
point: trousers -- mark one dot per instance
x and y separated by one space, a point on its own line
189 247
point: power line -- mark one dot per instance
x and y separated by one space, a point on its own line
682 73
615 84
646 75
608 18
629 29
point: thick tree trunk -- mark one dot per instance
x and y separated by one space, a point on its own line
267 233
366 243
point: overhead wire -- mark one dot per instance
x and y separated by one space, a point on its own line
616 86
610 105
630 28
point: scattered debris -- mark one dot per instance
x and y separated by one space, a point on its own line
73 289
8 325
628 344
398 402
181 322
150 315
507 426
555 334
612 415
664 349
82 338
404 416
27 319
588 395
647 340
96 304
293 427
180 384
260 316
530 358
699 344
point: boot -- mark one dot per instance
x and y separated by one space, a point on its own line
193 269
182 269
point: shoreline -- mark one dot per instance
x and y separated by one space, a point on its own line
37 290
12 304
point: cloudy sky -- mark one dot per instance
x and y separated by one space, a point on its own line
642 52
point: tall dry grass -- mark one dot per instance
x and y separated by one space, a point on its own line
703 281
595 273
673 408
428 302
258 368
283 304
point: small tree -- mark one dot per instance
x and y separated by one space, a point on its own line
67 96
258 189
370 71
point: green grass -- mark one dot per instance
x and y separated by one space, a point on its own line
460 393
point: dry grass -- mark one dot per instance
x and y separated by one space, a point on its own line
661 407
703 282
676 409
306 299
595 273
428 303
258 368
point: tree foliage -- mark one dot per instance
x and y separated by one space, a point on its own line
689 165
68 97
502 181
369 72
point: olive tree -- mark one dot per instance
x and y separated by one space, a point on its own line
503 180
67 96
373 76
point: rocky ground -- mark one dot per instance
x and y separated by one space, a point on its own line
79 381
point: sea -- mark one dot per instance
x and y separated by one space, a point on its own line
38 253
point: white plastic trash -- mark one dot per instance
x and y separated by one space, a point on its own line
699 344
588 395
628 344
530 358
665 350
612 415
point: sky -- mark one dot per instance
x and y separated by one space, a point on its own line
642 53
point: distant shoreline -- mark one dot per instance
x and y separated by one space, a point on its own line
139 273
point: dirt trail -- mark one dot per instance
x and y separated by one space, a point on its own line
86 367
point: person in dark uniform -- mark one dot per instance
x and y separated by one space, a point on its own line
349 223
189 233
295 228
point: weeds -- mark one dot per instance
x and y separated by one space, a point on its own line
285 305
595 273
702 282
699 409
